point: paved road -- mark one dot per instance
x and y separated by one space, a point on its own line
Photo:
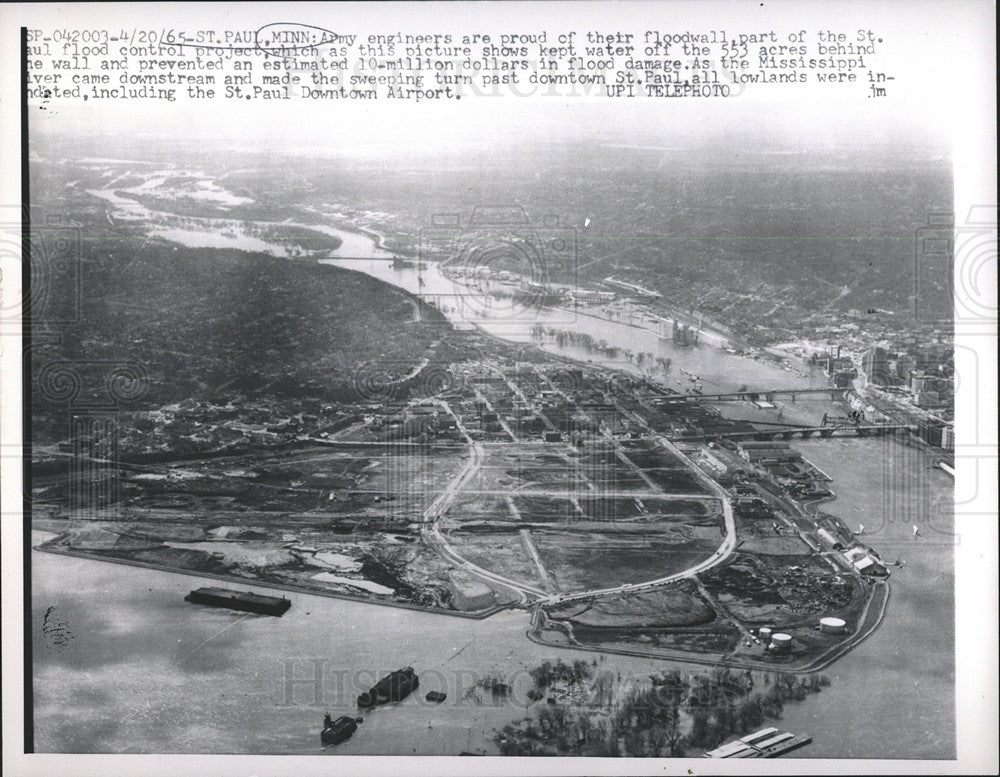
533 552
721 554
431 532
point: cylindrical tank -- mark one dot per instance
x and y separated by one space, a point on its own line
781 641
832 625
764 632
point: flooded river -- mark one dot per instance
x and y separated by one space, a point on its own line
894 695
110 638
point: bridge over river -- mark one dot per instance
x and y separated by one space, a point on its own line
755 395
805 432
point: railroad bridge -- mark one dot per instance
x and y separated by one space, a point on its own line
805 432
755 395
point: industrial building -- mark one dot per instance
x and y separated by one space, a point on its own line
469 594
865 562
766 452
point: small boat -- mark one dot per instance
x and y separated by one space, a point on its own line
337 731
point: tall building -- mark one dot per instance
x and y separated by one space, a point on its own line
876 365
904 364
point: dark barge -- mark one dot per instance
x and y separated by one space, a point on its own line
244 601
395 686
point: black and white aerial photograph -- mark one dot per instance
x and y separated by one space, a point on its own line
571 426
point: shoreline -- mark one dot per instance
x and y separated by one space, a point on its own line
718 339
819 662
51 545
48 547
677 656
531 633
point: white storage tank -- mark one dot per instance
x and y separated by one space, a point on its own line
832 625
764 632
781 641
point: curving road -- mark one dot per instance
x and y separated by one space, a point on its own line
721 554
431 533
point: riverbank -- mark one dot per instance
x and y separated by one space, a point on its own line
899 683
109 637
870 620
50 546
718 339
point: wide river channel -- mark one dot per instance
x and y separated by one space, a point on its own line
123 664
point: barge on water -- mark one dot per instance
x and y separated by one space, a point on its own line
336 731
395 686
245 601
766 743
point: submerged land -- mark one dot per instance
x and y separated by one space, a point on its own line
268 419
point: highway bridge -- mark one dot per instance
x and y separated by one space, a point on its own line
805 432
755 395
